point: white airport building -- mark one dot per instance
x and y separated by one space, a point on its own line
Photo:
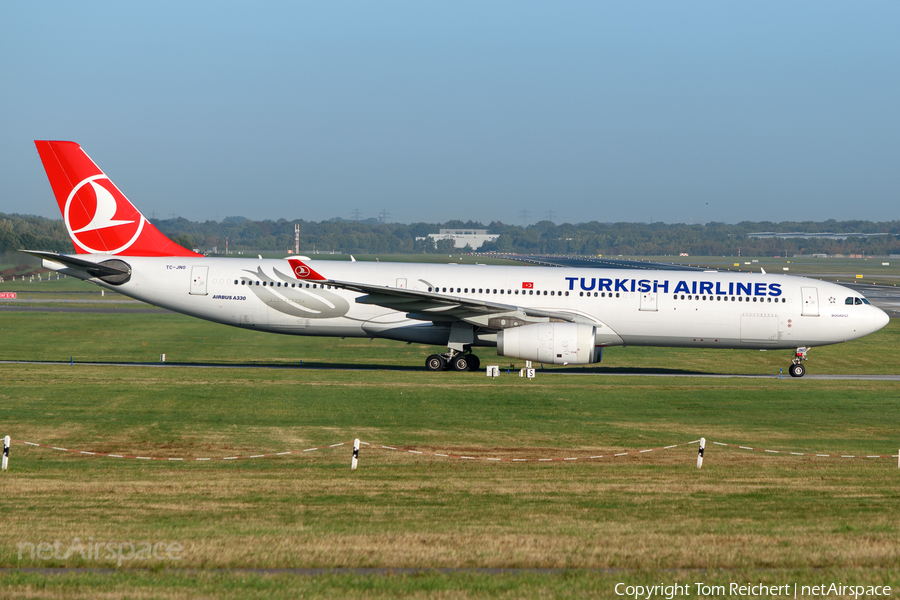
462 237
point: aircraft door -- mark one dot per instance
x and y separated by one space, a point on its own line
648 300
198 280
810 301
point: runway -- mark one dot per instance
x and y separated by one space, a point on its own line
592 372
598 263
82 309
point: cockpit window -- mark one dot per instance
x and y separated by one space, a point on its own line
857 301
864 301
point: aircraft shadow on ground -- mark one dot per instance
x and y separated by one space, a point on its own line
512 369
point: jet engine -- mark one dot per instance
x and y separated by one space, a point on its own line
554 343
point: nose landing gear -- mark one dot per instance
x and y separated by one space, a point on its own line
797 369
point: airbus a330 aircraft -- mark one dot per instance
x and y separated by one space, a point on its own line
551 315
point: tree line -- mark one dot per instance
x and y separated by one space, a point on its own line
374 237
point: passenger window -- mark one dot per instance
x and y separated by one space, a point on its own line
530 292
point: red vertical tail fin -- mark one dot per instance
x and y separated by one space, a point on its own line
99 218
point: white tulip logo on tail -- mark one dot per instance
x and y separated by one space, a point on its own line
91 213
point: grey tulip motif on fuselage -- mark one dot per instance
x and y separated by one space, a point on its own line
302 301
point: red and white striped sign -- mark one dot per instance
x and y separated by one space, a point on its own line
8 295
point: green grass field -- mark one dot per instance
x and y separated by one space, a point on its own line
651 518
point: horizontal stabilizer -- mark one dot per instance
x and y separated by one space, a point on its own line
95 269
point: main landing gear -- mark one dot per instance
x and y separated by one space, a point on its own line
452 361
797 369
459 356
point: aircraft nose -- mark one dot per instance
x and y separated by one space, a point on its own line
881 319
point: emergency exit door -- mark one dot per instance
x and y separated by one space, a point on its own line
198 280
648 300
810 301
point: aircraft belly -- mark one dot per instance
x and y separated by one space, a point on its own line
396 326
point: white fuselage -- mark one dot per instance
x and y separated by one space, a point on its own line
632 307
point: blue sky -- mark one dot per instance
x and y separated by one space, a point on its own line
629 111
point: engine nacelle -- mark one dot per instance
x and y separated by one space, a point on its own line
554 343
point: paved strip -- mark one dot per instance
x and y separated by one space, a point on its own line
327 367
600 263
72 309
124 300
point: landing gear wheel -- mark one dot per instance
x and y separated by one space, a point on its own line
797 370
435 362
460 362
474 363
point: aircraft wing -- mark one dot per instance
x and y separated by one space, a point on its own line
434 306
430 306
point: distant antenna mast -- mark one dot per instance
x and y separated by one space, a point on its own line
550 215
356 214
296 238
